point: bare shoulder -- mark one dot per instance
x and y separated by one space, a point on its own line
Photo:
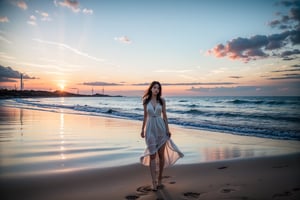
163 100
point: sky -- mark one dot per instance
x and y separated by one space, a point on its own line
193 47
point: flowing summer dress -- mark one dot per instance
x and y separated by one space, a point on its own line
156 136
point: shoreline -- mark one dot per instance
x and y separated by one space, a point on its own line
9 94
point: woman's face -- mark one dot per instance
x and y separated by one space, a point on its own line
155 89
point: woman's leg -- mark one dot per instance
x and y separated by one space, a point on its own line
161 153
153 171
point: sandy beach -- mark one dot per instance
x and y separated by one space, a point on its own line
257 178
47 155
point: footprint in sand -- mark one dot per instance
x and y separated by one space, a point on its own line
131 197
191 195
143 190
223 167
227 190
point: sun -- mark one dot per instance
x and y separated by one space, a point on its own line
61 86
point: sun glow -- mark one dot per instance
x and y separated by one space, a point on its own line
61 86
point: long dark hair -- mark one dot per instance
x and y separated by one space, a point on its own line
148 93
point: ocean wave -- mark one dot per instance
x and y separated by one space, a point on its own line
265 102
239 115
260 124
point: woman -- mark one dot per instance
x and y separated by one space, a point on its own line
160 148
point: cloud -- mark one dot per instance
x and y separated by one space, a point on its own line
289 88
71 4
44 16
97 83
172 71
193 83
296 66
6 57
4 19
288 53
7 74
76 51
32 21
20 3
287 70
264 46
236 77
286 77
3 38
87 11
293 68
123 39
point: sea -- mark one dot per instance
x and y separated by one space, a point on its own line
265 117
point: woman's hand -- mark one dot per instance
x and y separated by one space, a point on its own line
142 134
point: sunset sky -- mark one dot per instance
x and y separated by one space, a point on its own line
193 47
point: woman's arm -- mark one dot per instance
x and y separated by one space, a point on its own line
144 121
165 117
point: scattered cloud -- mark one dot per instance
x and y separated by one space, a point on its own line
87 11
64 46
192 83
287 70
264 46
123 39
4 56
3 38
74 6
97 83
172 71
44 16
4 19
7 74
236 77
71 4
286 77
20 3
32 21
283 89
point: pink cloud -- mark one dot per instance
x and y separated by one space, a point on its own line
72 4
4 19
21 4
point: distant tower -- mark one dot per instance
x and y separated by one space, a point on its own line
21 82
103 90
92 90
